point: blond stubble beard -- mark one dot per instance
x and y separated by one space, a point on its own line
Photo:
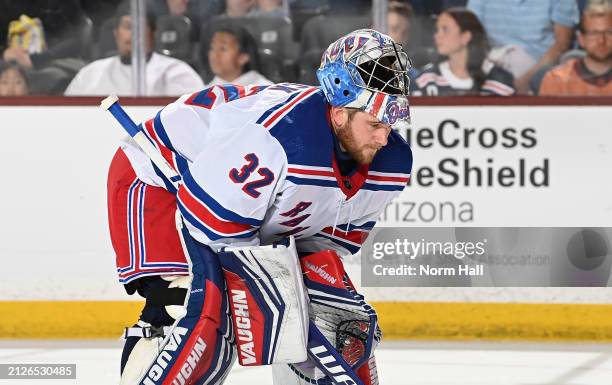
359 154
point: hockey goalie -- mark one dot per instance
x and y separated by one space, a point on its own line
240 254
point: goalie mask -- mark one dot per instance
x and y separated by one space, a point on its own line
367 70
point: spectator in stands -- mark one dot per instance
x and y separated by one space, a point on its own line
592 74
13 80
233 57
268 8
238 8
462 44
528 35
399 21
164 75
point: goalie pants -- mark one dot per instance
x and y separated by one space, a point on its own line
142 226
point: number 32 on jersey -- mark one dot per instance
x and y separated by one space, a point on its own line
241 176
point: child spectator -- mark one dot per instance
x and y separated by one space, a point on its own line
233 57
592 74
462 43
13 80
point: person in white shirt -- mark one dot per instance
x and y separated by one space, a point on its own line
165 76
233 58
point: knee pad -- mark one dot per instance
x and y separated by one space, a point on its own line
177 311
165 298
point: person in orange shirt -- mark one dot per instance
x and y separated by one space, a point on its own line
592 74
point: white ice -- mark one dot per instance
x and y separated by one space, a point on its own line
399 363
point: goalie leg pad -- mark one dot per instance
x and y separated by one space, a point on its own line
198 346
268 303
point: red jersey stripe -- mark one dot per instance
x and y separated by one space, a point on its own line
204 215
388 178
310 172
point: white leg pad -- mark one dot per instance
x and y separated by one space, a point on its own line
144 353
283 375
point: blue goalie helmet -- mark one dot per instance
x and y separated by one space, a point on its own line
367 70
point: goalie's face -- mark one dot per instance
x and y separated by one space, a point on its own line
360 134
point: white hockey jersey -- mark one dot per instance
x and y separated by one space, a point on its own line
258 165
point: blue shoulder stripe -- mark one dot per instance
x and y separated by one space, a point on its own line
160 130
382 187
312 182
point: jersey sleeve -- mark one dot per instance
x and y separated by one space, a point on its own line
178 131
228 189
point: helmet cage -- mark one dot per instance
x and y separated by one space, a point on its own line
368 73
381 70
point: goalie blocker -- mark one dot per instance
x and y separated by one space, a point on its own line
273 323
268 303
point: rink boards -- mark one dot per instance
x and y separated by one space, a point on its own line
60 280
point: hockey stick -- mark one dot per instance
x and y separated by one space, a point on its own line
111 104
